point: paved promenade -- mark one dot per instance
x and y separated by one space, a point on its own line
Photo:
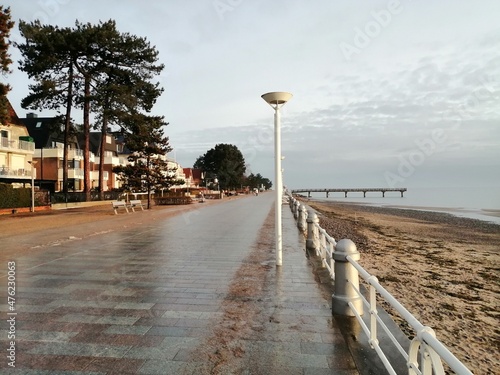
196 293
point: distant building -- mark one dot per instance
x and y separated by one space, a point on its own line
114 155
16 151
47 149
193 177
176 171
48 135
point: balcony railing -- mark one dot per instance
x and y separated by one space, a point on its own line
56 152
6 172
72 173
16 145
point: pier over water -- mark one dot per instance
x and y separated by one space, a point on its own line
345 191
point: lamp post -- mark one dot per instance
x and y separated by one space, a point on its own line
32 163
216 181
277 100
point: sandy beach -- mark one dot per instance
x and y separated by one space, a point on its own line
443 269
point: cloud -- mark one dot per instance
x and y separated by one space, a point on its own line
349 121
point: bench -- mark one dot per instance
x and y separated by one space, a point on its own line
136 203
119 204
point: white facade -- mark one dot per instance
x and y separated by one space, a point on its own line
15 153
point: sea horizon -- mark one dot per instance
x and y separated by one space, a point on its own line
474 203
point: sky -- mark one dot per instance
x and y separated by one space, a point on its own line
385 93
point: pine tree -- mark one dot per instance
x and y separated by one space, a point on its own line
49 54
148 170
6 24
117 68
94 67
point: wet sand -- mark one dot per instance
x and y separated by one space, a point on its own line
443 269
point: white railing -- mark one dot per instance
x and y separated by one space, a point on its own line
7 172
72 173
425 353
16 145
58 152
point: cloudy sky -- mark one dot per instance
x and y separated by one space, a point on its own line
385 93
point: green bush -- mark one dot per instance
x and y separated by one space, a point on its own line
14 198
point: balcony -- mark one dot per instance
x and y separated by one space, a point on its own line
17 146
111 160
6 172
76 173
56 152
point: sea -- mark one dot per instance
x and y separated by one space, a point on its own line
475 203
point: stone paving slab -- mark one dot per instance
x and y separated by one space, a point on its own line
150 300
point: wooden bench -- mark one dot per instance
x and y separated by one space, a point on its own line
119 204
136 203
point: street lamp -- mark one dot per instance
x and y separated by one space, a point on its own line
277 100
32 163
216 181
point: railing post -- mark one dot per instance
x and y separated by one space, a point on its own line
312 231
322 246
295 209
345 275
301 218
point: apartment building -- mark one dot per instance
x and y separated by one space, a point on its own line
16 152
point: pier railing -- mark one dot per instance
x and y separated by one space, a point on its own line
425 354
345 191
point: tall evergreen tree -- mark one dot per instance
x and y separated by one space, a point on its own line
225 162
90 65
148 170
6 24
49 56
123 83
116 67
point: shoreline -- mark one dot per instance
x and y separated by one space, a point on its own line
490 217
443 268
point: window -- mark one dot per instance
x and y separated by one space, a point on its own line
108 139
73 164
39 124
4 138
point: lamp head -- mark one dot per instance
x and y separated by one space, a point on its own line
277 99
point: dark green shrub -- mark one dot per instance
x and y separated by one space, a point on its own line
14 197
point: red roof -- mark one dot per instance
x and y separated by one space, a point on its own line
196 174
193 173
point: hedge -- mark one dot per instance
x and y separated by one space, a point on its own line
14 197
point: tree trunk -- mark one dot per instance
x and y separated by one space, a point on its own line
148 180
102 152
67 125
86 140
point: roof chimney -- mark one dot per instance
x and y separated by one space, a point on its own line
31 115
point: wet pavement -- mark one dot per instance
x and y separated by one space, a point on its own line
197 293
